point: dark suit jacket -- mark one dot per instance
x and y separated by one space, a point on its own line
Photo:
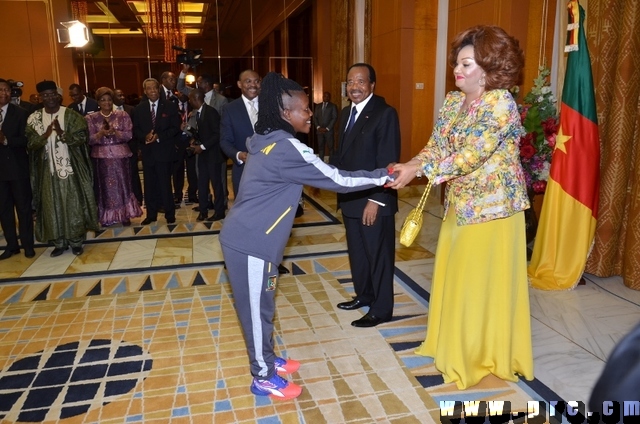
209 131
167 128
373 142
133 143
235 128
90 106
163 95
14 160
326 119
28 106
129 109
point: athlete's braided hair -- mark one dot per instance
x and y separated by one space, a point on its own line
273 87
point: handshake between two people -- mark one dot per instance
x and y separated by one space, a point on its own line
401 174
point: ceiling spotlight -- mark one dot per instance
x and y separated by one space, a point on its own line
75 33
190 78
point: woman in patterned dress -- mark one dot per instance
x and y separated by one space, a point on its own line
109 133
479 322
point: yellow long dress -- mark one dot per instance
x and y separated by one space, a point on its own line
479 322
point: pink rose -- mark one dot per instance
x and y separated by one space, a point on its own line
551 141
539 186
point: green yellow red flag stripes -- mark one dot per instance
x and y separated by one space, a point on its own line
568 218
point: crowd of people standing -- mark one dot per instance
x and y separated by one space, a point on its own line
75 168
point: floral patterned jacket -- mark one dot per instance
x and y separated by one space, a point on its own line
477 153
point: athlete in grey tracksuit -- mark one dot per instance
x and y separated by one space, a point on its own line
256 230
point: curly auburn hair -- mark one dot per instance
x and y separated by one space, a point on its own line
497 53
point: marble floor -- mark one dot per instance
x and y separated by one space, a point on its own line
573 331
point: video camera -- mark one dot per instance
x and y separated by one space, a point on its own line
195 138
191 57
16 88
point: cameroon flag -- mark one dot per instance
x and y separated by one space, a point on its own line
568 219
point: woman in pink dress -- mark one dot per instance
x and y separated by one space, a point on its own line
109 133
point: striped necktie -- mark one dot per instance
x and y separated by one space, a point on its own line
153 115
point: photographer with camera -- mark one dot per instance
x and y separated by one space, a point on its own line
206 83
185 160
204 125
16 93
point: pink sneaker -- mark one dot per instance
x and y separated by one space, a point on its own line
286 366
276 388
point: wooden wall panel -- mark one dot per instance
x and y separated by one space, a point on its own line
33 53
424 69
391 57
524 19
403 45
128 75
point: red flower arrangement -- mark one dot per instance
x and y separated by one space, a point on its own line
540 120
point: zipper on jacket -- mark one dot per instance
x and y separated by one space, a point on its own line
279 219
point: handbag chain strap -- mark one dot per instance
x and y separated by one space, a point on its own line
425 194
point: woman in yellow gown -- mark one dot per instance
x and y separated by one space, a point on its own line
479 322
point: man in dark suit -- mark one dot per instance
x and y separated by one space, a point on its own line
324 118
184 157
238 120
369 139
168 86
28 106
81 103
210 157
15 188
119 99
156 126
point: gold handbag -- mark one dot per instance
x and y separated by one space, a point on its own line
413 222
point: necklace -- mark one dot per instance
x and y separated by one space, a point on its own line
106 116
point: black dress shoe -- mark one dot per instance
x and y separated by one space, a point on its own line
77 250
9 253
147 221
191 201
215 217
195 208
29 252
283 269
58 251
171 220
201 217
369 320
351 305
